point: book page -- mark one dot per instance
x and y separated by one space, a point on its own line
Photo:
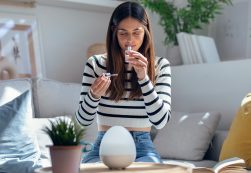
234 164
202 170
233 169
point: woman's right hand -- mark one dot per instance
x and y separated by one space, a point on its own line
100 85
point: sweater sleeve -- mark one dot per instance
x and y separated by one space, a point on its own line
158 99
87 105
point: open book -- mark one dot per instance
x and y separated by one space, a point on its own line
232 165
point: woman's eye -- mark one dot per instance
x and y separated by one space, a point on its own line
122 34
137 33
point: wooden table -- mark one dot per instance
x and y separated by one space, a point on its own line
135 167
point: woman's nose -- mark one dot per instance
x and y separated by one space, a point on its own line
129 42
129 38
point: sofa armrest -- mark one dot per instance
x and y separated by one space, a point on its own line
214 149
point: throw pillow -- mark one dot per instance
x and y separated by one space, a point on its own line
10 89
187 136
238 140
56 98
19 150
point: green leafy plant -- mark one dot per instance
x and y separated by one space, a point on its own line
64 132
192 16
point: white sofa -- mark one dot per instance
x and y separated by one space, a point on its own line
216 87
195 88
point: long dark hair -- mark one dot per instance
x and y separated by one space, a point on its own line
115 58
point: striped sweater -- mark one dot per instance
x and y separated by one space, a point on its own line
152 108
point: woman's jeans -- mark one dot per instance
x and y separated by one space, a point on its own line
144 148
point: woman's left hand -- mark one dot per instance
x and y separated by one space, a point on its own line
139 63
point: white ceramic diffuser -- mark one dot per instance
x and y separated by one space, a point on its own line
117 148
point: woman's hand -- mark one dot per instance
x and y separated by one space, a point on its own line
100 86
139 63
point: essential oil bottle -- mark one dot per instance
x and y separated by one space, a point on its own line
126 52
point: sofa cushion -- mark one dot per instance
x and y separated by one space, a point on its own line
213 153
187 135
43 139
10 89
53 98
19 150
238 141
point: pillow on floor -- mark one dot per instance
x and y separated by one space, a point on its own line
187 135
19 152
238 141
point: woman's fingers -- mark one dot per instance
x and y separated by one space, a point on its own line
137 58
139 63
106 86
100 85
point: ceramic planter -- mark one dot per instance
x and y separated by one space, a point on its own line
65 159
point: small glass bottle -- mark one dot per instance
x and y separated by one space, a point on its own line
126 52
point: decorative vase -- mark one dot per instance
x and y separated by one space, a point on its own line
65 159
173 55
117 148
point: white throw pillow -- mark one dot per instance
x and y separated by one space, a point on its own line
187 135
10 89
19 150
55 98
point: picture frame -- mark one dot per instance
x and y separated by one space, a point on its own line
19 45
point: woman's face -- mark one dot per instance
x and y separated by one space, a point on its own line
130 33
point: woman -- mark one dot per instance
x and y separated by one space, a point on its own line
138 95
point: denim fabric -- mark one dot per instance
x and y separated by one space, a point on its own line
145 149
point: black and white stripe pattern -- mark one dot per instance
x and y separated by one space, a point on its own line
152 108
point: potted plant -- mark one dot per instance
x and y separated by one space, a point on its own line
66 150
183 16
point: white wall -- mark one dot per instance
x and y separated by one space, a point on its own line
65 35
232 31
65 32
158 35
